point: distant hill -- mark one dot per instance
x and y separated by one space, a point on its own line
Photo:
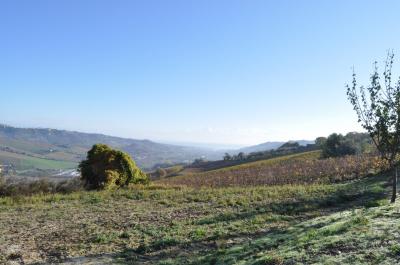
51 149
27 148
270 145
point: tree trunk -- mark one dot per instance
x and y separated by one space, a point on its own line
394 185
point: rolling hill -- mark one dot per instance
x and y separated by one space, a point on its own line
27 148
51 149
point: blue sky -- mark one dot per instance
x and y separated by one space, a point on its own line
232 72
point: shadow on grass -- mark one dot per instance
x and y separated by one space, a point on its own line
367 192
362 193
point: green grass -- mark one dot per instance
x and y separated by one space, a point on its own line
302 224
362 236
27 162
25 146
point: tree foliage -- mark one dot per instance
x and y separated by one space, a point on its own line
320 142
378 110
337 145
106 168
289 146
227 157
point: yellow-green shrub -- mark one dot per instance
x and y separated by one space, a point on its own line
106 168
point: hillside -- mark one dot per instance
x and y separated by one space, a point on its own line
49 150
23 147
331 223
299 168
270 145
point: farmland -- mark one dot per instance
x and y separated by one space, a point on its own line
292 169
24 147
166 223
22 162
199 133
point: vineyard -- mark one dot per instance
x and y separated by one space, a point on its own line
297 209
303 168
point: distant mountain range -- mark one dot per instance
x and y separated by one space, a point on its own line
51 149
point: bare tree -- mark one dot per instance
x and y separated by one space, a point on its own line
378 110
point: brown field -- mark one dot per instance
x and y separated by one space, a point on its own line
295 169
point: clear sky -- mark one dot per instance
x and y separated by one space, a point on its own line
232 72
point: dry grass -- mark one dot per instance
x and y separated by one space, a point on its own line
49 228
160 225
165 224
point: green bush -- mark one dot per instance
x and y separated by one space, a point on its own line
395 250
337 145
106 168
